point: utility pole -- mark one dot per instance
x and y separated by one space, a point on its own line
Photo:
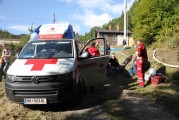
54 19
125 7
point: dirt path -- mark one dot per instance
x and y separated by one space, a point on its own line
113 101
143 109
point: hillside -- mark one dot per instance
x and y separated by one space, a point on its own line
150 21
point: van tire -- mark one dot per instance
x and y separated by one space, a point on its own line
91 90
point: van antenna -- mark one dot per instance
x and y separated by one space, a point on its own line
54 19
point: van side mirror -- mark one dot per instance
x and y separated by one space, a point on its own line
84 55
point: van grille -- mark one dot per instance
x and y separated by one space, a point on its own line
34 92
40 78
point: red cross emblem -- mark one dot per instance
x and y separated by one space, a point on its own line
52 28
101 65
38 64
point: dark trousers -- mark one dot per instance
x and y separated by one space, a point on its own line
3 69
116 69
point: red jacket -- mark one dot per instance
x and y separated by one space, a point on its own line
93 51
142 52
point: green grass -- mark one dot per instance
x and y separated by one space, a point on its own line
165 94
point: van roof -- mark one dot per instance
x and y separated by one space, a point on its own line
53 31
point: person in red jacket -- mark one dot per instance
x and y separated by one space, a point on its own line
93 50
142 56
142 50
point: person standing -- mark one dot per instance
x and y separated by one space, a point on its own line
141 57
6 56
140 73
142 50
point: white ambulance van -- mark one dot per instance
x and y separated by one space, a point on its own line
51 68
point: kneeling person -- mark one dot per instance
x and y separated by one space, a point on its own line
114 64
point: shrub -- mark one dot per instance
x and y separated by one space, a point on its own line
173 42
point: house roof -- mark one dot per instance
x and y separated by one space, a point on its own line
112 31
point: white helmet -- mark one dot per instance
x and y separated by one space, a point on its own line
152 71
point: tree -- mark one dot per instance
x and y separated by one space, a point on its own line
23 40
31 29
154 19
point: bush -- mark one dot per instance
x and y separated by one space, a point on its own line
155 45
173 43
170 42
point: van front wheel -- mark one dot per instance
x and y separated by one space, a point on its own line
79 91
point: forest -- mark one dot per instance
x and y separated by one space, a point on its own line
150 20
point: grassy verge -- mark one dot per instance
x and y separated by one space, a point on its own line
165 94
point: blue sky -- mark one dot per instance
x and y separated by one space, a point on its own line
16 16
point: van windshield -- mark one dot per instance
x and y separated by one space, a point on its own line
47 49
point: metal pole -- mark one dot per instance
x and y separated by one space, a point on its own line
125 6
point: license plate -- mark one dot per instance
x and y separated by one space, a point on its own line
35 101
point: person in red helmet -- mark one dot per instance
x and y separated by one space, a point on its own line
93 50
141 58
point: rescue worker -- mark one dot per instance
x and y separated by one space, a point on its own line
140 73
141 57
93 50
142 50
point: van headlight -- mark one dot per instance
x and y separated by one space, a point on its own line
65 77
11 78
